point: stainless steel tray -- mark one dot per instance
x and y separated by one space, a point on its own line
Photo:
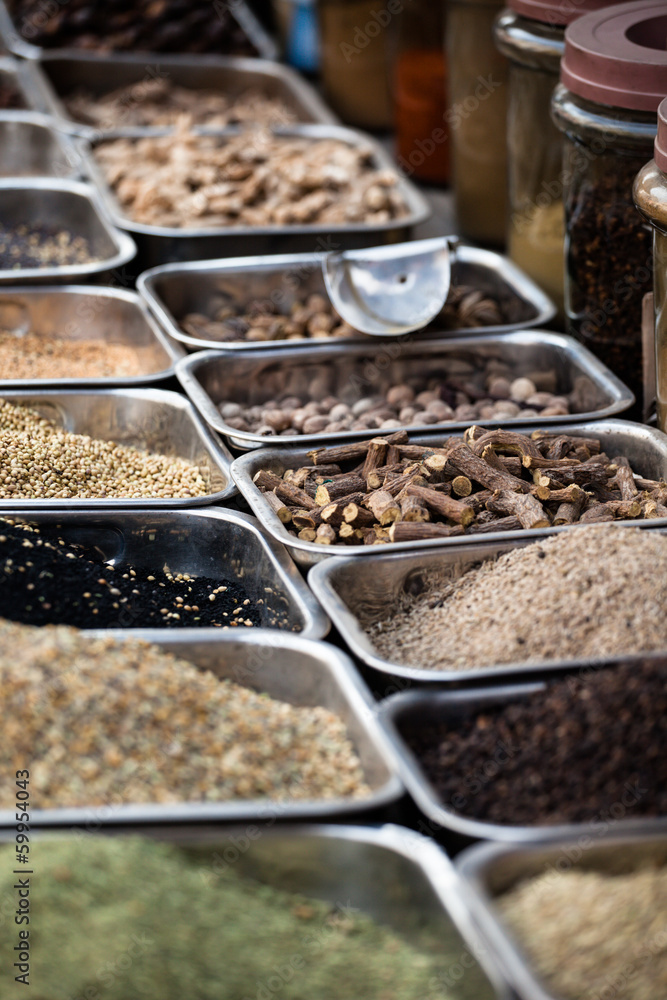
82 312
31 147
644 446
390 873
489 870
16 43
72 206
174 290
352 372
352 591
156 419
288 668
207 542
100 74
163 244
27 79
410 706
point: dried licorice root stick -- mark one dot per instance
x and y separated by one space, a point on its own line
388 489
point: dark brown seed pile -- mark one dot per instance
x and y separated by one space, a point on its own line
46 581
41 246
588 749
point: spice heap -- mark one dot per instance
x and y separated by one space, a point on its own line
570 754
33 355
42 246
491 480
49 581
150 902
132 25
585 578
106 722
159 102
251 179
39 460
445 390
593 934
314 318
10 95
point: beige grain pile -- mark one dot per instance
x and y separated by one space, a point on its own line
588 592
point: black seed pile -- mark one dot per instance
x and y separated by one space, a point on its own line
589 749
41 246
46 581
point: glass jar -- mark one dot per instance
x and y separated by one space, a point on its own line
354 59
477 119
420 102
613 77
650 195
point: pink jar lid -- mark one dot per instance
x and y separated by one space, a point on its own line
618 56
661 138
560 12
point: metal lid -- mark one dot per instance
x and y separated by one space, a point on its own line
661 138
618 56
560 12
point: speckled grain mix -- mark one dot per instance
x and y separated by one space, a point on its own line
251 179
40 461
590 592
34 355
101 722
42 246
591 935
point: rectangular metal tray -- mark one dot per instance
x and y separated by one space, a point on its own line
28 80
163 244
211 378
392 874
156 419
288 668
419 706
101 74
83 312
489 870
204 542
73 206
644 446
351 590
174 290
31 147
16 43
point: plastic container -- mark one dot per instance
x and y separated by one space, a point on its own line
531 33
477 119
419 90
613 78
650 194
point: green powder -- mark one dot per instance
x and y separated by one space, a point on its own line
128 918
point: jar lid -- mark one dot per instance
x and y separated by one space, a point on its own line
560 12
618 56
661 138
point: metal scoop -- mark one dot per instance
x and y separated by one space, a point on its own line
391 290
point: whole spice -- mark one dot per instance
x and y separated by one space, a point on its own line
314 318
103 722
49 581
620 917
254 178
326 398
178 923
160 102
485 481
42 246
39 460
584 611
133 25
585 750
34 355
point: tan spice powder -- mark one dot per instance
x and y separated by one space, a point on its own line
591 935
36 356
104 722
589 592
